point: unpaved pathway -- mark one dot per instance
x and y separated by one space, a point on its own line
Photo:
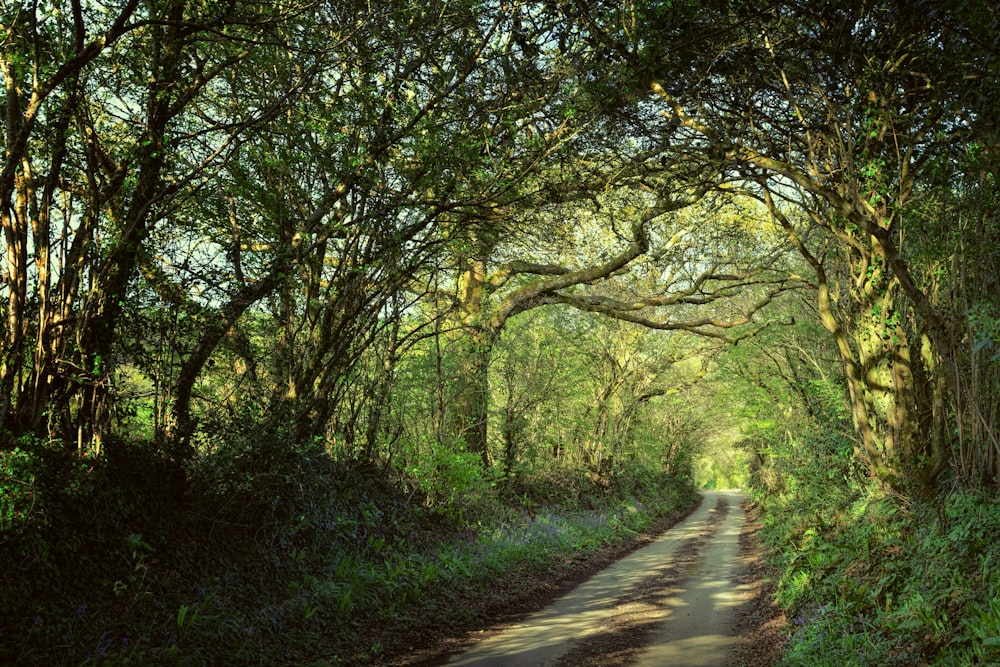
670 603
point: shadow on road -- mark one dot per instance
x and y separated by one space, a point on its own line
667 603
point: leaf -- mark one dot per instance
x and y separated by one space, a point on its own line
981 345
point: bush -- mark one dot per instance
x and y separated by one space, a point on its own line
77 542
273 552
451 481
871 578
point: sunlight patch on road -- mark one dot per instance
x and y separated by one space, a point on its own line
586 612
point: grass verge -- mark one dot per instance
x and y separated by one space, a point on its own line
284 557
875 579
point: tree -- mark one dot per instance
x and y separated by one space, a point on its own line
668 270
787 392
422 139
845 115
535 376
110 118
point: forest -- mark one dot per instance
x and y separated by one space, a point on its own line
322 316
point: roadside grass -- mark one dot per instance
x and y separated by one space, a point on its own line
281 555
876 579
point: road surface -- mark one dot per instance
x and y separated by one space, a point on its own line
669 603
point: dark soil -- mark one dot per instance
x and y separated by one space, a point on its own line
759 619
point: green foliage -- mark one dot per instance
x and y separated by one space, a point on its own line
297 320
274 552
723 469
876 582
83 551
17 490
869 578
452 481
866 576
984 321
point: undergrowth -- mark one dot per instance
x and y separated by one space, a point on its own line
873 578
266 552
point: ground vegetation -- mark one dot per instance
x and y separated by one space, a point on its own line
321 314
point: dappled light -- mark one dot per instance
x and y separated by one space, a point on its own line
338 332
679 601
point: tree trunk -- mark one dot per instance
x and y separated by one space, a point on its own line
470 405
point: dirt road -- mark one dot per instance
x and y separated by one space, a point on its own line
669 603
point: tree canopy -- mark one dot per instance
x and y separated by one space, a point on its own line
321 318
221 211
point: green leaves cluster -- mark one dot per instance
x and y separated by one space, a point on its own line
871 580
